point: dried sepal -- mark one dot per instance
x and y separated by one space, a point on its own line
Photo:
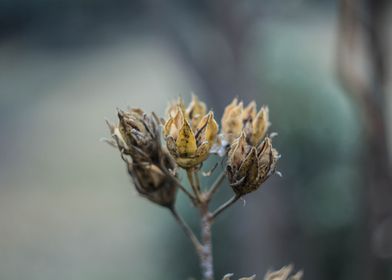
283 274
260 125
186 141
248 278
236 119
249 111
232 123
171 110
195 111
229 275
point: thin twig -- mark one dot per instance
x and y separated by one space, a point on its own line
216 185
181 187
188 231
197 181
190 173
224 206
206 258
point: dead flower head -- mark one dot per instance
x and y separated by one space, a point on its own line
236 119
190 133
153 181
249 166
283 274
138 139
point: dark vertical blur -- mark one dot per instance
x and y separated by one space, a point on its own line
67 210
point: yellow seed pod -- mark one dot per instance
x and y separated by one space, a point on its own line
195 111
190 144
260 125
232 123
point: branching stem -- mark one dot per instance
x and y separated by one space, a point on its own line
216 185
188 231
224 206
181 187
194 183
205 254
202 200
206 259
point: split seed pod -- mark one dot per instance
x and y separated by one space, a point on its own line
249 166
236 119
188 136
285 273
138 139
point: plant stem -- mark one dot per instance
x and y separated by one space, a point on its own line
181 187
216 185
187 230
224 206
196 187
203 199
206 260
197 181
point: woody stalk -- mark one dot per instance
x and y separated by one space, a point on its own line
191 135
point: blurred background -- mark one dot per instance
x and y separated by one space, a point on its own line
67 207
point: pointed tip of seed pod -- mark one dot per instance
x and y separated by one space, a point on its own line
235 101
111 142
227 276
156 118
180 102
110 125
194 97
104 140
264 111
268 140
120 113
242 136
251 106
248 278
273 134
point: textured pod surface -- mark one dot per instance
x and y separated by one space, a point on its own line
190 133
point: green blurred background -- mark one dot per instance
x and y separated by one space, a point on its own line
67 207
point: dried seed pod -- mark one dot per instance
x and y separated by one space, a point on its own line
249 166
138 138
153 181
236 119
195 112
255 124
229 275
283 274
190 144
232 120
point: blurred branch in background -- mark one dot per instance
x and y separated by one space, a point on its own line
208 27
363 68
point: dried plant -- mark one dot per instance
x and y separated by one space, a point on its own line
191 135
